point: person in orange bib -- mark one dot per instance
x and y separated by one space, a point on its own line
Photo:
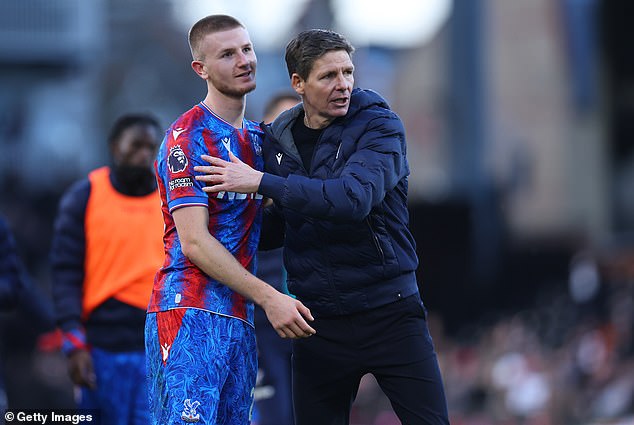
106 249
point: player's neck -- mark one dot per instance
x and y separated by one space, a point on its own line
230 109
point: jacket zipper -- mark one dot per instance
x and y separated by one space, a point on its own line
309 172
375 238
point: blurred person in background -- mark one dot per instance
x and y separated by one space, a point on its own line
273 396
106 249
336 170
18 291
200 337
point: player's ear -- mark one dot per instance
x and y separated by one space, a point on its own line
297 83
199 68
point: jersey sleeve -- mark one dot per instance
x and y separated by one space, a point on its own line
175 168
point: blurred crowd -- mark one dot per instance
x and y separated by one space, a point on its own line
568 359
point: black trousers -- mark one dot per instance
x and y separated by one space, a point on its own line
391 342
274 362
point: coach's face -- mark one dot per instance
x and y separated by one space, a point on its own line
228 62
326 91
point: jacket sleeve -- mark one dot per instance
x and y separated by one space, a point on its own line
68 249
16 287
11 285
375 168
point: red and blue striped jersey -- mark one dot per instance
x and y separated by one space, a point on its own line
234 219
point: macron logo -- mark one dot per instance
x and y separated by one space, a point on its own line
177 132
166 351
279 158
227 142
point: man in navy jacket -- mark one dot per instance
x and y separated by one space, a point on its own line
18 291
336 170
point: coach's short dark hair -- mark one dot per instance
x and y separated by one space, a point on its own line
125 121
310 45
208 25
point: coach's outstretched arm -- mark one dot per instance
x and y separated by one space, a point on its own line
375 168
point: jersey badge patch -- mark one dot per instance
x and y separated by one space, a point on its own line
257 147
189 414
176 161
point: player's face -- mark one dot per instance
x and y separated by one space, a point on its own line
137 146
326 91
229 62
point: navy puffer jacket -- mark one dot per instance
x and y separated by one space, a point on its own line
347 244
11 276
